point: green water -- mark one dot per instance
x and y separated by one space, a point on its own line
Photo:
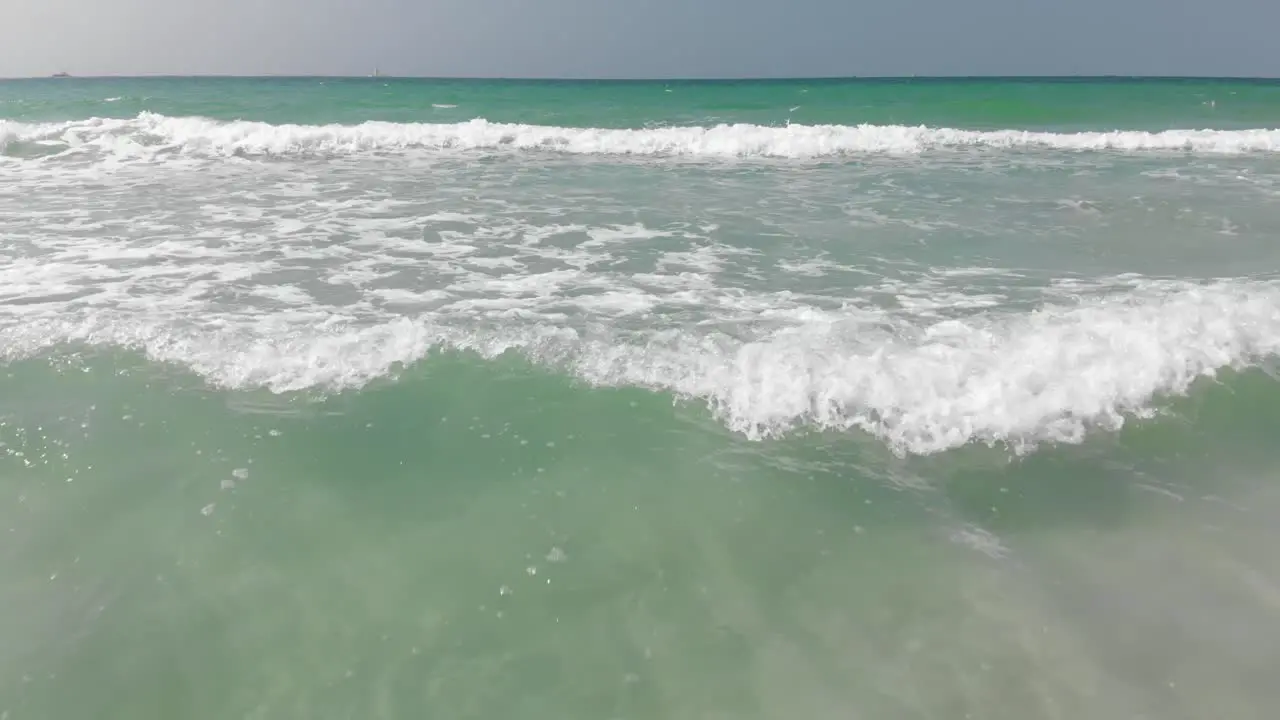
476 541
1063 104
321 399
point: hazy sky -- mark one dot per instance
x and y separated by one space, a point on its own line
641 38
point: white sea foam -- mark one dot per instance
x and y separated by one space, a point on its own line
757 293
201 136
921 387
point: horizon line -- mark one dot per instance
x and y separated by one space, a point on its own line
637 79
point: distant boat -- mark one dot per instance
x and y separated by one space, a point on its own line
61 75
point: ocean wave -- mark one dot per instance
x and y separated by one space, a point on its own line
1019 379
202 136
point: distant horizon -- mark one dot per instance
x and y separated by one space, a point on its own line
637 79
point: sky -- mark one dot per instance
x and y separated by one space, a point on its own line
640 38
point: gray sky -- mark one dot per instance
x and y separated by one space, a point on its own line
641 38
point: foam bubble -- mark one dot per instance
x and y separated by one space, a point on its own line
202 136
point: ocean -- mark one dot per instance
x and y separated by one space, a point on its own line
810 399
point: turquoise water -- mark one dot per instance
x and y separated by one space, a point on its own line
382 398
987 104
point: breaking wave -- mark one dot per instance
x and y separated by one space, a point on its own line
1014 378
202 136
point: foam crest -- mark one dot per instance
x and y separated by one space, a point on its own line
995 377
1019 379
201 136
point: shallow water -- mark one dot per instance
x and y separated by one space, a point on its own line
605 413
